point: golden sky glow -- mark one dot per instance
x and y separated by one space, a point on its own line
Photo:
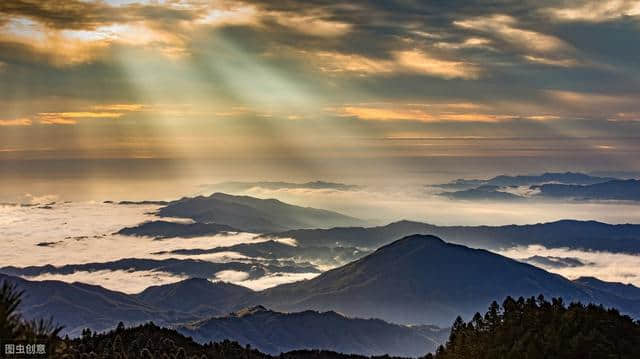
303 79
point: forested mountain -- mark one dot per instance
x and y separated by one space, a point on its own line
536 328
274 332
531 328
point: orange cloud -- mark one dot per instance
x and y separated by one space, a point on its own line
338 62
121 107
23 121
505 27
408 61
105 111
71 118
434 112
315 24
372 113
421 112
420 62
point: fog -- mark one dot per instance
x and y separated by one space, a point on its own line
615 267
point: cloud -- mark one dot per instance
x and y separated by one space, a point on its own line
373 113
419 62
551 61
274 279
86 231
71 118
615 267
106 111
595 10
126 281
412 61
471 42
534 46
233 276
590 104
315 23
455 112
22 121
336 62
505 28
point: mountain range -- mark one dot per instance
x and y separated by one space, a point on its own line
548 186
627 190
589 235
526 180
415 280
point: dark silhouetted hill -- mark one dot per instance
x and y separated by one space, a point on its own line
274 333
623 190
166 229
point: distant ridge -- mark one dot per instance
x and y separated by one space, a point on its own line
252 214
575 178
236 186
590 235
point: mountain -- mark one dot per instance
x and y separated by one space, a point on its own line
422 279
612 190
526 180
253 214
484 192
78 305
274 333
195 295
243 186
590 235
166 229
627 291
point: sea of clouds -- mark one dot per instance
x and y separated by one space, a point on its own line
83 232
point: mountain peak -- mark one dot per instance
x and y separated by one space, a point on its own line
414 240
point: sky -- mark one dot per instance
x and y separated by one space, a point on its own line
116 98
